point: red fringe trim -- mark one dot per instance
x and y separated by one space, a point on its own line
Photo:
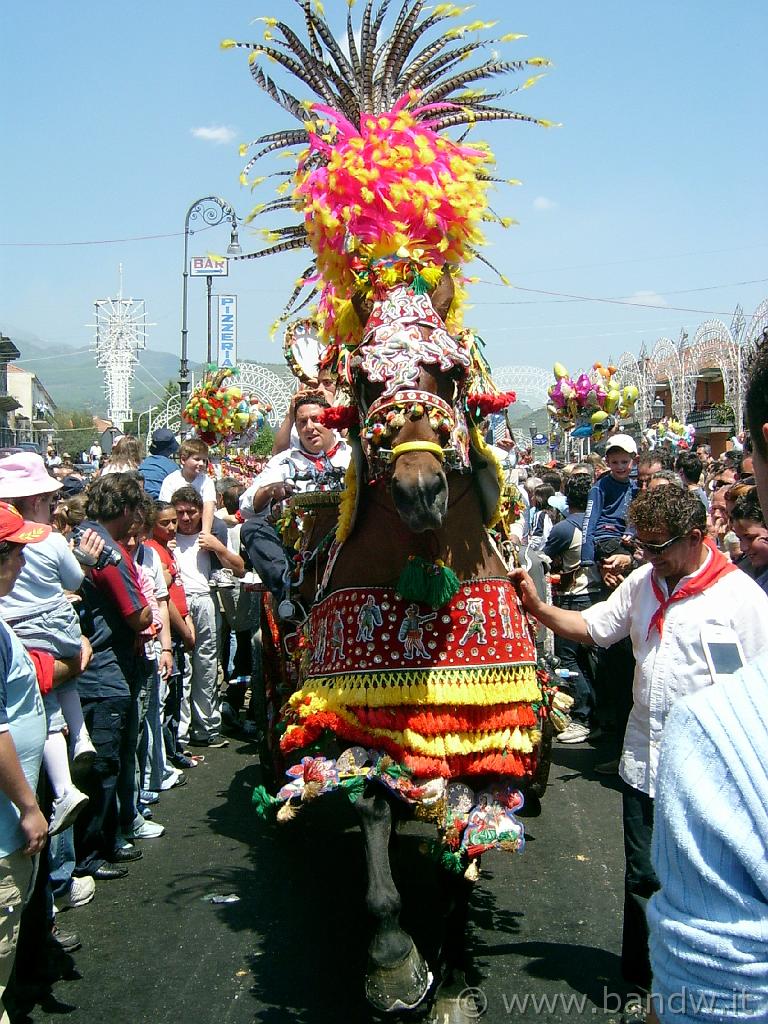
491 763
485 403
439 720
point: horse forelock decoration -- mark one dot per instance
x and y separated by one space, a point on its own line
416 669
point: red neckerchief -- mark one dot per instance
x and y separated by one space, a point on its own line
321 461
717 567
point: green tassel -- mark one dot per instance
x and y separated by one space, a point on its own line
420 286
354 787
447 859
263 802
431 583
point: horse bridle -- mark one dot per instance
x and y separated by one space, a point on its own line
388 415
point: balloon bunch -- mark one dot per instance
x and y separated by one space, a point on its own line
589 405
679 435
220 411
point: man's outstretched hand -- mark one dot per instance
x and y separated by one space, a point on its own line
526 590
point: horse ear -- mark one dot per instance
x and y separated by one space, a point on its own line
362 307
443 293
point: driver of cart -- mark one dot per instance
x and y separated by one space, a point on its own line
321 455
286 435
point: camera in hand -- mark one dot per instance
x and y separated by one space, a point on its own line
109 556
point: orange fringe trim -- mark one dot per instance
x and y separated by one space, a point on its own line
438 720
491 763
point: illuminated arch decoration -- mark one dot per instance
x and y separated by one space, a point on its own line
667 368
714 347
758 325
529 383
638 371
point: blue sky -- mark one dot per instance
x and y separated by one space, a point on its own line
653 191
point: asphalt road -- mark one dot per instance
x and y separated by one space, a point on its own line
545 925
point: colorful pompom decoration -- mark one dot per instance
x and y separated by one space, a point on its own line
341 417
481 405
221 413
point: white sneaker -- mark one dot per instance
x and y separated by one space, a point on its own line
575 733
171 780
147 830
65 810
81 891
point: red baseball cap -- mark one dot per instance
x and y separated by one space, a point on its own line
14 527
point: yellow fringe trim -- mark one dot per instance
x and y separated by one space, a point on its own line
495 684
523 741
478 442
347 508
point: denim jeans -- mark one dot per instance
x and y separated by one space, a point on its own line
575 658
96 826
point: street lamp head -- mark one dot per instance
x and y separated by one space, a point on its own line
658 408
234 248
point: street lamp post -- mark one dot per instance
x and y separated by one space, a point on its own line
211 210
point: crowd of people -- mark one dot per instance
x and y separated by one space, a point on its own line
126 628
128 622
661 591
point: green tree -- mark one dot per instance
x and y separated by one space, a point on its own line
263 444
75 431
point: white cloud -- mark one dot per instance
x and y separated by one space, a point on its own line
542 203
343 41
220 134
648 298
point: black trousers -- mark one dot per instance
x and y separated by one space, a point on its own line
640 883
96 826
265 552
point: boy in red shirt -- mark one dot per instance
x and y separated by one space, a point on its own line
163 541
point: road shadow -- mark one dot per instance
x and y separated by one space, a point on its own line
594 972
302 910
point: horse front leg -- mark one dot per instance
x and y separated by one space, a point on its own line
397 976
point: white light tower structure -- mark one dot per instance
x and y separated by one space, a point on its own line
121 332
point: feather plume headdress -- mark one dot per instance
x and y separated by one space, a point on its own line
385 196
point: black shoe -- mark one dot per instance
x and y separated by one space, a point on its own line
108 872
126 854
68 941
209 741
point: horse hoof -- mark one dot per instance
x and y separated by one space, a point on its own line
400 987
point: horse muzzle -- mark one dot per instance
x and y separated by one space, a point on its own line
419 486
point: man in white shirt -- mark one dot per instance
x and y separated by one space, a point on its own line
320 456
685 587
200 717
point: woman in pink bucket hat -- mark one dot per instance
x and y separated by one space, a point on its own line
43 617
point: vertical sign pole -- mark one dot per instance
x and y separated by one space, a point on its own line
209 283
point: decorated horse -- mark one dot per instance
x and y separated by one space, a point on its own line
413 682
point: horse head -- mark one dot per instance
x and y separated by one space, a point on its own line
405 377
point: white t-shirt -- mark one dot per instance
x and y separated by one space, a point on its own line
202 483
670 666
150 561
193 564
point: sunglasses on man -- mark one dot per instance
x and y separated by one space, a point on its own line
659 549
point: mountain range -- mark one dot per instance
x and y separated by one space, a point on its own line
75 382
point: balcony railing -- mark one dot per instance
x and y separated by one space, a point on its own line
715 416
